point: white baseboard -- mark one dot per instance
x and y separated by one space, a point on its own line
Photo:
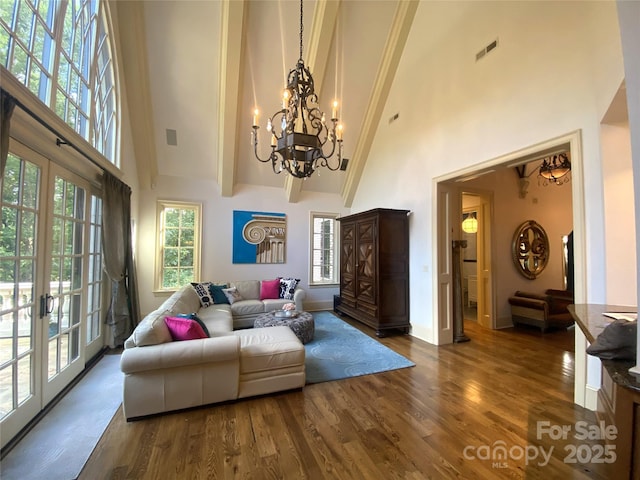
591 398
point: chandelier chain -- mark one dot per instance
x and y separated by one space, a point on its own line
301 29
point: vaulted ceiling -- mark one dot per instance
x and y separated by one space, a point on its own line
195 70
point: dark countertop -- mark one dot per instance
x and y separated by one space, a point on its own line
589 318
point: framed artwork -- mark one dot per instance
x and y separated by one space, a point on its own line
259 237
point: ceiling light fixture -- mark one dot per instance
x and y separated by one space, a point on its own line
555 169
299 131
470 223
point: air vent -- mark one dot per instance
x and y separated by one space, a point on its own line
492 46
172 137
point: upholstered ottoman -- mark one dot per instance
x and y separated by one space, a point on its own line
302 324
271 360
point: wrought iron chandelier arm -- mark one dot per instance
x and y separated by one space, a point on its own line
255 146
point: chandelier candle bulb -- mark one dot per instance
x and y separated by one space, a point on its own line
334 112
273 140
339 133
255 117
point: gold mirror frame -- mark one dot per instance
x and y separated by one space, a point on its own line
530 249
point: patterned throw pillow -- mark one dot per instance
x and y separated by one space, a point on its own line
287 287
232 295
202 289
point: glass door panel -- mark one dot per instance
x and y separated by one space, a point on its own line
20 278
64 298
51 281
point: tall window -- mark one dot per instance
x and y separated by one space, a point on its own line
60 50
324 249
178 244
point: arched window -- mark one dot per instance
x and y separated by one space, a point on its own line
61 51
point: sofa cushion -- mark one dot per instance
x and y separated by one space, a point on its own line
184 328
152 330
249 289
270 289
247 307
288 287
270 348
275 304
232 295
218 319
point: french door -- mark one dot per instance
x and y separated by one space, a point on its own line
50 284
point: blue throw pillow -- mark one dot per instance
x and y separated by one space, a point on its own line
217 294
195 318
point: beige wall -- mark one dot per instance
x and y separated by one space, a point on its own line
555 71
217 216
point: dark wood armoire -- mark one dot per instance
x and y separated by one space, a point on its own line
374 269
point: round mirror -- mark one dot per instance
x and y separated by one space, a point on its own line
530 249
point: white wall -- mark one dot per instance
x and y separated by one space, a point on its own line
629 18
217 234
557 66
620 219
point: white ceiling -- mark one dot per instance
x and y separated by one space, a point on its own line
178 71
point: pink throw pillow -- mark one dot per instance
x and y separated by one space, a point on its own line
184 328
270 289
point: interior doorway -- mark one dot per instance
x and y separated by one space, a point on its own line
457 197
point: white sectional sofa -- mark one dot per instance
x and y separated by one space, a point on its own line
162 375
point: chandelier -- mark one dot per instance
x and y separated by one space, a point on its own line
299 132
555 169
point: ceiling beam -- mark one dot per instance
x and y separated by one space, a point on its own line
133 51
400 28
325 16
231 45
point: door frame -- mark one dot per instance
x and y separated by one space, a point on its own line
442 297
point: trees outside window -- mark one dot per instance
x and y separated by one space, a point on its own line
178 244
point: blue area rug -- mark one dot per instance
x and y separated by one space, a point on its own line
339 350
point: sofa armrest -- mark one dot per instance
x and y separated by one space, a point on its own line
528 302
180 354
298 298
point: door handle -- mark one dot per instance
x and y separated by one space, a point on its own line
46 305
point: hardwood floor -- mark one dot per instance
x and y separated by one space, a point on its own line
441 419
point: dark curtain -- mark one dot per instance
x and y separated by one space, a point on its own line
6 109
123 313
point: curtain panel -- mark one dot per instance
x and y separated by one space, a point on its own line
123 312
7 105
